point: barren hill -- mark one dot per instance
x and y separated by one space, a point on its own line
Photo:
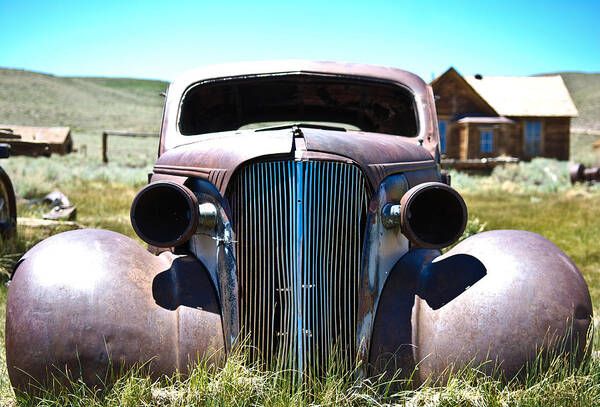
84 104
585 92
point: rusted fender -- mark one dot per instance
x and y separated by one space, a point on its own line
532 296
83 299
438 280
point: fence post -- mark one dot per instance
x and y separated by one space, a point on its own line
104 142
107 133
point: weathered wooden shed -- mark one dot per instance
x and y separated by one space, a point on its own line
59 138
523 117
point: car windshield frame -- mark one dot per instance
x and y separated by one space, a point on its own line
402 115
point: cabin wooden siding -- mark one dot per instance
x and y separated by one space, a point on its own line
463 130
455 99
463 139
63 148
504 142
454 139
555 137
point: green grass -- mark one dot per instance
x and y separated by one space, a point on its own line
240 383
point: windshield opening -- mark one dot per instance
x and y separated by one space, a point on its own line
371 106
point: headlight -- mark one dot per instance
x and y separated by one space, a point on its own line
432 215
167 214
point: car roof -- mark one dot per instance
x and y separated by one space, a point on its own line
242 69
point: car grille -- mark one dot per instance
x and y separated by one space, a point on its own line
299 232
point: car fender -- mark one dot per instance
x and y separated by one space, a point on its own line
533 299
92 303
493 302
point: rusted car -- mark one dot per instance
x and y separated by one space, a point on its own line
297 209
8 202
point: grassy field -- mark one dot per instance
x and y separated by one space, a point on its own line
535 196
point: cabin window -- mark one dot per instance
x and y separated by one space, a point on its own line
486 141
442 125
533 138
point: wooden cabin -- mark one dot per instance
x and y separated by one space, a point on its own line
58 138
486 117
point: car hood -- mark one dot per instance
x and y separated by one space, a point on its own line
216 157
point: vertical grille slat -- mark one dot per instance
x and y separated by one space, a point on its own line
299 230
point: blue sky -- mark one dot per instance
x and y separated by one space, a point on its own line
160 39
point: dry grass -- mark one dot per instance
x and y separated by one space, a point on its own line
585 92
84 104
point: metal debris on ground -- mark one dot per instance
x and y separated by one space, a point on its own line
579 173
56 198
62 209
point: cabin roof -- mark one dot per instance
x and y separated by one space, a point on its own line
453 74
525 95
52 135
